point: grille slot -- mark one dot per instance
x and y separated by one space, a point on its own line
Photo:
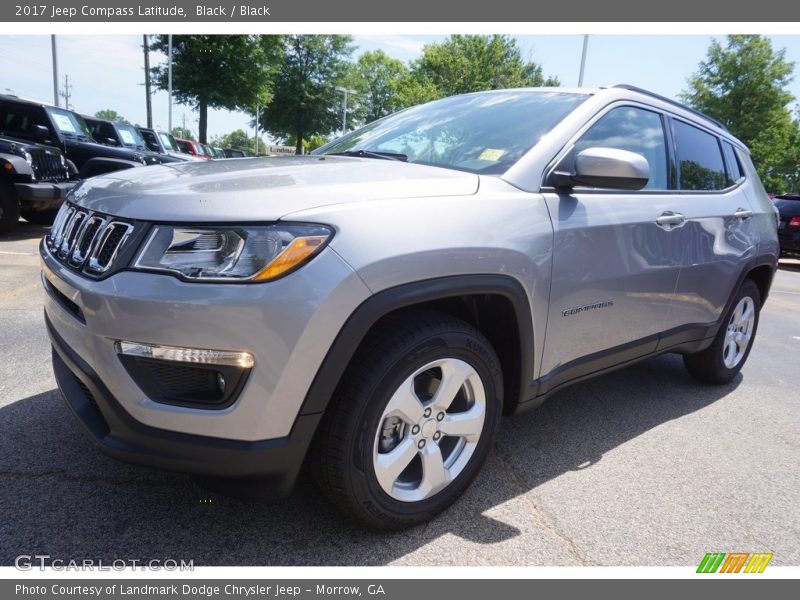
87 241
48 167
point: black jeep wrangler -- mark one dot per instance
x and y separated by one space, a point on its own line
34 179
38 122
124 135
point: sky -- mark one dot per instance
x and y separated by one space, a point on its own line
106 72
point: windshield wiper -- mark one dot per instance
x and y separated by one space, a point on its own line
372 154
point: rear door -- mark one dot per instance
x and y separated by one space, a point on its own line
718 229
614 266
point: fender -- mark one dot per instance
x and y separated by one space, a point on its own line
19 164
408 295
100 165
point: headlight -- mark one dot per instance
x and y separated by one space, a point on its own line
229 253
29 160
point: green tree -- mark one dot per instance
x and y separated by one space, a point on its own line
239 139
743 85
231 72
184 134
305 101
472 63
110 115
377 80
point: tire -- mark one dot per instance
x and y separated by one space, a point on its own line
9 207
44 217
387 412
724 358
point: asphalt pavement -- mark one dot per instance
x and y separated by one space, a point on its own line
640 467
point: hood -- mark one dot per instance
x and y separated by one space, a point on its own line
262 189
101 150
14 146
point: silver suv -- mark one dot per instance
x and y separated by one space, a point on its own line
373 309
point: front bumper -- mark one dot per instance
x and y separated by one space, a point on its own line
273 463
789 242
43 196
287 325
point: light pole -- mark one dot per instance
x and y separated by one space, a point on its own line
583 59
169 82
55 69
258 107
345 91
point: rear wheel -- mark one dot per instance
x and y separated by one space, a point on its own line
720 362
412 422
9 207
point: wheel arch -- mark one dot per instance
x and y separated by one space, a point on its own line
497 305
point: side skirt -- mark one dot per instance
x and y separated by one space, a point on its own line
683 340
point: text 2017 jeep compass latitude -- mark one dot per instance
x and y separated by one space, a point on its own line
374 308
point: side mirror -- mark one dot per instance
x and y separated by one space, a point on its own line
608 168
111 142
41 132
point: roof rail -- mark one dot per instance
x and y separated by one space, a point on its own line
633 88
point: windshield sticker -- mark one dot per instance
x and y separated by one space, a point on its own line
127 137
492 154
64 123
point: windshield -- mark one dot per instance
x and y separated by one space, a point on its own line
130 137
481 133
168 141
69 123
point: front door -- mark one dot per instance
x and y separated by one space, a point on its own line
616 255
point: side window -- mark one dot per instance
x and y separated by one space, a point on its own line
732 163
700 164
633 129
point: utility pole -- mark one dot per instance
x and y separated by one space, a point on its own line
184 124
169 83
147 82
345 91
583 59
55 69
258 108
67 94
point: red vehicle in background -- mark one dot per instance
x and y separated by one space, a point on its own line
193 148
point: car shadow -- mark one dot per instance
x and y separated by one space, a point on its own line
25 231
62 498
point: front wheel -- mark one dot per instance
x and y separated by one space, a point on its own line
724 358
412 422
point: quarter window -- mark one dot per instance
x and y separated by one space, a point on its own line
700 164
633 129
734 170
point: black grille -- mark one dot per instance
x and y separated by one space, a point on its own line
91 230
196 382
88 393
110 246
181 384
48 166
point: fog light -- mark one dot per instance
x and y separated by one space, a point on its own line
221 383
243 360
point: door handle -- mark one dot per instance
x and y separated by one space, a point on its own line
669 219
742 213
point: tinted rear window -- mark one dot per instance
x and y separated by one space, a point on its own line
700 164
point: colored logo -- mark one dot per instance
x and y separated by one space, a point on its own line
735 562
